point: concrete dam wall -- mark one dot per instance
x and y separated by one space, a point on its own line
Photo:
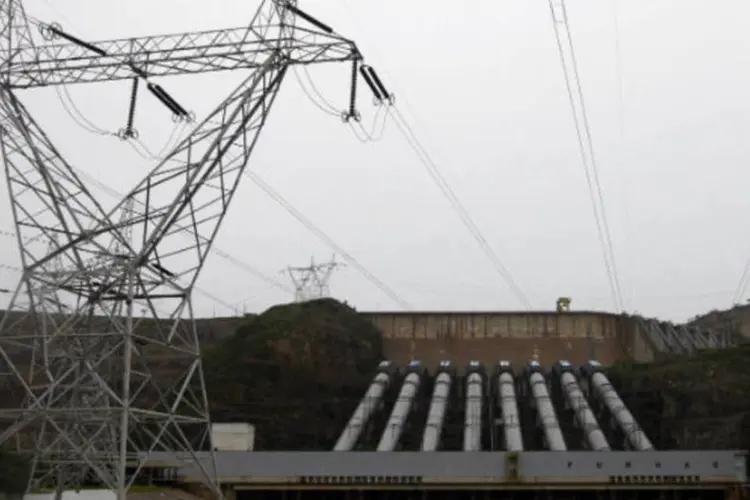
514 336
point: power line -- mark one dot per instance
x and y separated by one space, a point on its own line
450 195
374 134
326 239
324 105
742 285
444 187
586 146
618 75
456 204
620 103
321 103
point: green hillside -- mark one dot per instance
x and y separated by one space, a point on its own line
295 371
700 401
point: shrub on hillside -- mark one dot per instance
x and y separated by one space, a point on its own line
295 371
14 473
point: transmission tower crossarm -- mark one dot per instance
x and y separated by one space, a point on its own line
171 54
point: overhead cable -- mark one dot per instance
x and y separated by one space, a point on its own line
742 285
313 94
386 101
457 206
585 142
326 239
435 174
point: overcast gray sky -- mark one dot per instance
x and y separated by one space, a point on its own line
482 86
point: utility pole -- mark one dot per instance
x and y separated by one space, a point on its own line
96 401
311 282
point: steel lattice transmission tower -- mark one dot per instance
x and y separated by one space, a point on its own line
87 362
311 282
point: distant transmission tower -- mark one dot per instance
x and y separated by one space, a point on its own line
111 370
311 282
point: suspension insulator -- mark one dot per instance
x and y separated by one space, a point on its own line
182 111
93 48
379 83
353 93
131 110
157 91
166 99
370 83
310 19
